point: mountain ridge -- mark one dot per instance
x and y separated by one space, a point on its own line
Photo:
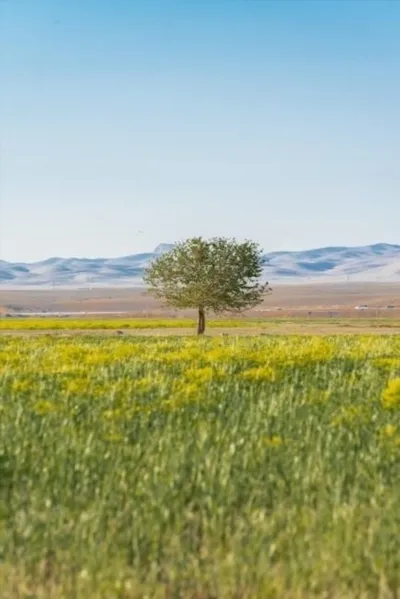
375 262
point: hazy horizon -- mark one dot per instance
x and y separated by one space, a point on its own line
153 250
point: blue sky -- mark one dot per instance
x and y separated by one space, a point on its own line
125 124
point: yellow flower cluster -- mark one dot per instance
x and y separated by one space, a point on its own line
144 375
391 395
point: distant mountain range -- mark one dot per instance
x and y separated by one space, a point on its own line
379 262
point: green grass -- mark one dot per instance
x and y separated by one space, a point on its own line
48 323
214 468
87 323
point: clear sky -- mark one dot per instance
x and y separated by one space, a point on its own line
128 123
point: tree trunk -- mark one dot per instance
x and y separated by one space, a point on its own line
201 323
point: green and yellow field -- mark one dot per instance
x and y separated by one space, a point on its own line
111 324
215 468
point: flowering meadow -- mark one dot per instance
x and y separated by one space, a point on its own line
214 468
47 323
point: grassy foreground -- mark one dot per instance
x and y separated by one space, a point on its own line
200 468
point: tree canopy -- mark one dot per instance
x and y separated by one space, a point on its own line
217 275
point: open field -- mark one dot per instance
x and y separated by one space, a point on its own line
258 467
322 300
302 309
182 326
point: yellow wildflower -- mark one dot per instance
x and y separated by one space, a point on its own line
262 373
389 430
42 408
391 395
199 374
20 386
274 441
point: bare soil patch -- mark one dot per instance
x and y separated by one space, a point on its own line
338 299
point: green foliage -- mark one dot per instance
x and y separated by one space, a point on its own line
218 275
233 468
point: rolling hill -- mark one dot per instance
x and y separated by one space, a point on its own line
378 262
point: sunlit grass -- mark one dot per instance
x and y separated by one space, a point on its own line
261 467
90 323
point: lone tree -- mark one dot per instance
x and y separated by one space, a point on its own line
216 275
